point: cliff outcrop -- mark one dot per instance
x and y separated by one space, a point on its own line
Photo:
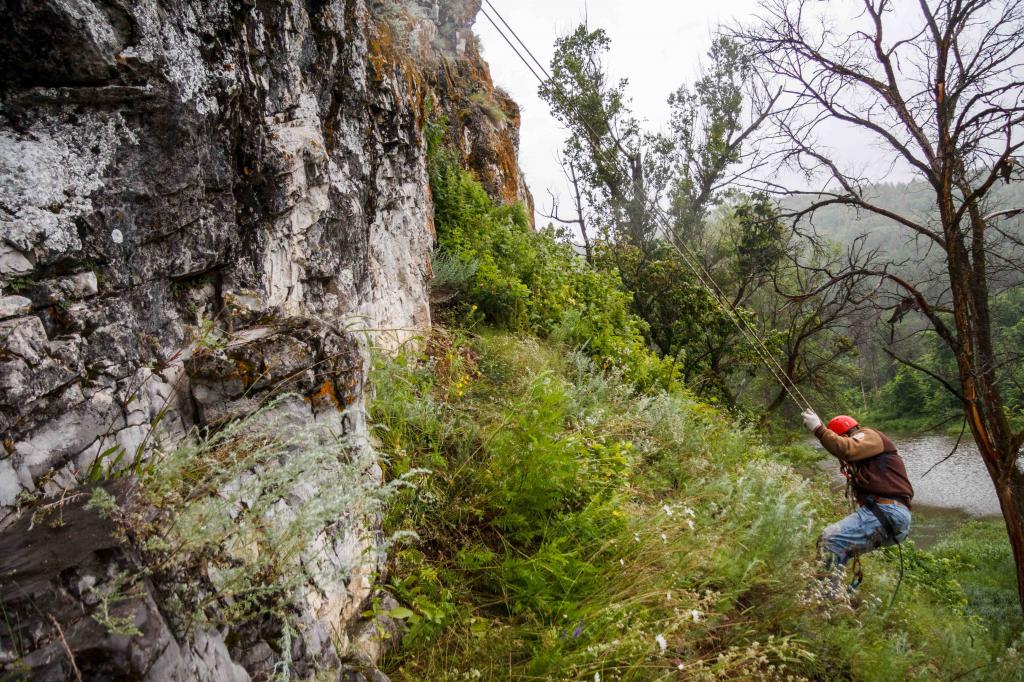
205 205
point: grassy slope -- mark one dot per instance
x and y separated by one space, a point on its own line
572 530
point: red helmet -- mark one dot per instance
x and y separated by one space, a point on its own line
842 424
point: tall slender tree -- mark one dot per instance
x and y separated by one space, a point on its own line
938 87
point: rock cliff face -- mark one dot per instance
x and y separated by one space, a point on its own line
175 168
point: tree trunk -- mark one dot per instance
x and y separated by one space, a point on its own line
983 403
1009 484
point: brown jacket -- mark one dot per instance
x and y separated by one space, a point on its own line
872 462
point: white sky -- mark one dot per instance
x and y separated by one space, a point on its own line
656 44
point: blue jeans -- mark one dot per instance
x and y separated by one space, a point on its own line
862 532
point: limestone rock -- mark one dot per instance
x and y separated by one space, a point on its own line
12 306
205 204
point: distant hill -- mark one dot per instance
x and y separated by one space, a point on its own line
914 199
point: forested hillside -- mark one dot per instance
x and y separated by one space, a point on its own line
581 515
843 224
891 391
292 386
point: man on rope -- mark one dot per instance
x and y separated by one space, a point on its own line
877 480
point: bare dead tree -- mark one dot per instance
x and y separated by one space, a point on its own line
816 328
938 87
572 176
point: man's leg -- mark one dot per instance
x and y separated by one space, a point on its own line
857 533
853 535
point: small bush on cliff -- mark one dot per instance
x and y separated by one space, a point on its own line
529 281
233 527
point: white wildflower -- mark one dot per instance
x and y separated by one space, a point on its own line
597 677
668 509
664 538
622 562
696 615
691 524
689 512
668 597
662 643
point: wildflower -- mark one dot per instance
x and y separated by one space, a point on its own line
690 523
689 512
662 643
668 597
668 509
664 538
696 615
678 664
622 562
597 677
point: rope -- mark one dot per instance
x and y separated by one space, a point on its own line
705 278
703 275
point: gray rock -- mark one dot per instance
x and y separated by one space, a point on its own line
208 203
13 262
12 306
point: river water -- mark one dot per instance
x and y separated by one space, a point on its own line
955 490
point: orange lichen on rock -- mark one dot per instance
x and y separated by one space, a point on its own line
326 396
246 371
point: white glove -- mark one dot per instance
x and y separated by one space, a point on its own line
811 420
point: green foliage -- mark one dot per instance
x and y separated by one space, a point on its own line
978 558
685 322
620 167
570 528
909 399
491 108
227 526
450 273
705 121
907 394
529 281
620 172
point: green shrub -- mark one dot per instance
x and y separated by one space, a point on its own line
570 528
230 525
529 281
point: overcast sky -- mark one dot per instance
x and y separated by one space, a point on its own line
656 44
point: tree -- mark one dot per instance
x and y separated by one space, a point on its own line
941 90
713 125
620 168
621 177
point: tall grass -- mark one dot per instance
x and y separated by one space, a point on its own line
571 530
